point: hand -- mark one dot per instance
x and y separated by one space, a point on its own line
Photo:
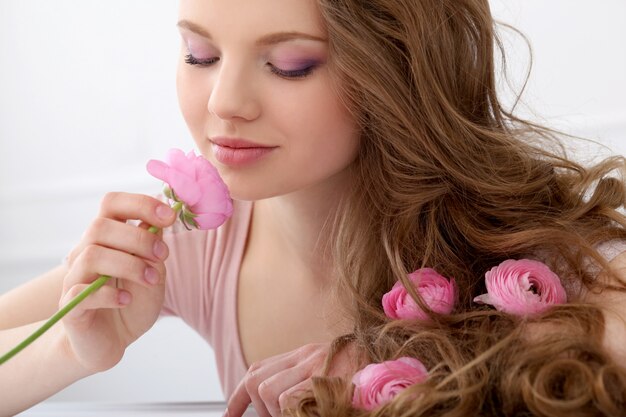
101 327
273 384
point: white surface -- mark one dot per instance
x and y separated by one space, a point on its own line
205 409
169 363
87 96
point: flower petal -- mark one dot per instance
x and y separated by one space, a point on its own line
157 169
522 287
436 291
379 383
185 188
180 162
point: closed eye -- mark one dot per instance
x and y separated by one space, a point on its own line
292 74
191 60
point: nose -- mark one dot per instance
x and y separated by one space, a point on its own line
233 94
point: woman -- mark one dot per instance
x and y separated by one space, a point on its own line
361 141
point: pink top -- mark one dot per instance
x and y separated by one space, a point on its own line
201 287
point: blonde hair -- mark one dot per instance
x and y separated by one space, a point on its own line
447 178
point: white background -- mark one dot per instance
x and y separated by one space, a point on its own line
87 96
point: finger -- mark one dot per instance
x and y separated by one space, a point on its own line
307 359
259 386
239 401
290 398
271 389
247 390
346 361
124 206
104 297
97 260
125 237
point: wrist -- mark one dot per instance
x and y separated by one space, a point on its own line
63 353
39 371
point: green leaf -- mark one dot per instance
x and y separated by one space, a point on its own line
167 191
188 213
193 223
181 216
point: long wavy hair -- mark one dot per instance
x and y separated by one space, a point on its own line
448 178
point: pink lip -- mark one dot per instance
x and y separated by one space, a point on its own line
238 152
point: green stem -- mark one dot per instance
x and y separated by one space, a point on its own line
57 316
102 279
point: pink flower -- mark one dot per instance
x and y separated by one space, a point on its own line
524 287
436 291
378 383
193 181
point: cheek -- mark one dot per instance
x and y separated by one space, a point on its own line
331 128
339 146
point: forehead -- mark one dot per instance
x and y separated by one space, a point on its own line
250 18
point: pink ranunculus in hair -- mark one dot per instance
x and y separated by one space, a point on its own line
438 293
379 383
195 183
522 287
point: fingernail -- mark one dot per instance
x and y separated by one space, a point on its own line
151 275
159 249
123 298
164 212
225 413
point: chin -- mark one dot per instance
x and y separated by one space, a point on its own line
252 191
247 193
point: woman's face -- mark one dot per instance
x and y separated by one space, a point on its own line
256 92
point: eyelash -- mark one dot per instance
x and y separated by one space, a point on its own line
191 60
291 74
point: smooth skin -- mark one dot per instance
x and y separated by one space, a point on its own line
93 336
286 317
266 79
255 84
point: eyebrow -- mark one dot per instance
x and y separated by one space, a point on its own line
270 39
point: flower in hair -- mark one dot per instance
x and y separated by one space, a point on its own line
379 383
522 287
437 292
196 185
